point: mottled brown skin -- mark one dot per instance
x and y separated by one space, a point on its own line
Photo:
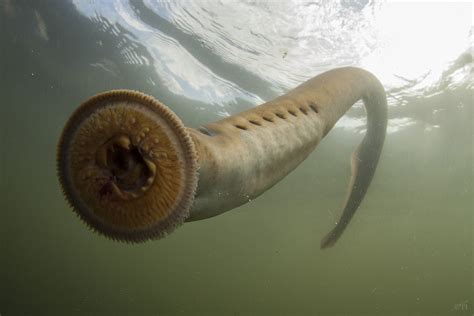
239 157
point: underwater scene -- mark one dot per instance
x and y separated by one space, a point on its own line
236 157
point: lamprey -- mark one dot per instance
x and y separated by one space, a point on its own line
133 172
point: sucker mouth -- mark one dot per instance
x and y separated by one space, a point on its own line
127 166
131 174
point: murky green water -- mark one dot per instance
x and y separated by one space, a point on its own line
408 251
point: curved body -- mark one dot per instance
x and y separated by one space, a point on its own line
228 162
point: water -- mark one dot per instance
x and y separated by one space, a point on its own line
408 251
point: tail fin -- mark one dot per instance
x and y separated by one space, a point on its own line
364 161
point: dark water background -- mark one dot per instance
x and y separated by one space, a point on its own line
409 249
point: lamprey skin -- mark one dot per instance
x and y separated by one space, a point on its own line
133 172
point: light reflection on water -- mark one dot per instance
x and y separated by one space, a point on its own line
220 52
